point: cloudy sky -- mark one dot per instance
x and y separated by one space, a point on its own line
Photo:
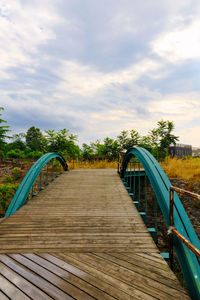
99 67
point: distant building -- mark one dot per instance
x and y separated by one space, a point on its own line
180 150
195 151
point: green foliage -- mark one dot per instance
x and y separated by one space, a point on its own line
146 142
35 140
16 153
16 173
3 130
7 192
162 138
7 179
33 154
88 152
128 139
108 150
2 154
17 143
63 142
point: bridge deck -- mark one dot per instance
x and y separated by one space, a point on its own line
82 238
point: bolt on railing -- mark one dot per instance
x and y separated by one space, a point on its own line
172 230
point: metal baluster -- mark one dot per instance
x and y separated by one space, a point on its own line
156 214
41 187
47 182
145 182
56 169
134 177
52 176
139 183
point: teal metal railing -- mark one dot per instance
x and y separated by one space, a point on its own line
160 183
35 172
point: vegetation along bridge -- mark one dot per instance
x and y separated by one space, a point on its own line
84 236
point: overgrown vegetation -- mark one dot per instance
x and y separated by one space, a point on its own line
34 143
7 192
188 168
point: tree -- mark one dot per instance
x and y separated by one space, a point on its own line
3 130
62 141
88 152
18 142
35 140
162 138
110 148
146 142
128 139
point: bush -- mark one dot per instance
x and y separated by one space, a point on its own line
7 179
2 155
16 153
16 174
33 154
27 150
7 192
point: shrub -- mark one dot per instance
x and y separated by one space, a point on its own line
27 150
2 155
7 192
16 153
7 179
34 154
16 174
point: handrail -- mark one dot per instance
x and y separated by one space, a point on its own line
161 185
24 189
172 230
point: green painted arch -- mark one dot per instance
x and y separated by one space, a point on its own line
24 189
161 185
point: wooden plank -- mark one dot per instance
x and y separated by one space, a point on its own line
25 286
151 287
77 280
3 296
38 281
101 284
116 283
10 290
57 281
98 246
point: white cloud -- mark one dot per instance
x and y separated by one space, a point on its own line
182 106
86 81
191 135
24 27
179 44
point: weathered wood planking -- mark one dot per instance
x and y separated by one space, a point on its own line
89 242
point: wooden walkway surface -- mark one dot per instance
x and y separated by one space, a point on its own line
82 238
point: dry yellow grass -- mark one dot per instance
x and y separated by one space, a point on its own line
182 168
174 168
102 164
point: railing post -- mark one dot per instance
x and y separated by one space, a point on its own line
171 223
41 187
145 191
56 168
52 176
47 181
139 184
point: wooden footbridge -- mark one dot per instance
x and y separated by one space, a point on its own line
81 238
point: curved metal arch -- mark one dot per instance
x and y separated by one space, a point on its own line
161 185
23 191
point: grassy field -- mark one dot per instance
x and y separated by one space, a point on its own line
97 164
182 168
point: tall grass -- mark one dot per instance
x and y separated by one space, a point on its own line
96 164
188 168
